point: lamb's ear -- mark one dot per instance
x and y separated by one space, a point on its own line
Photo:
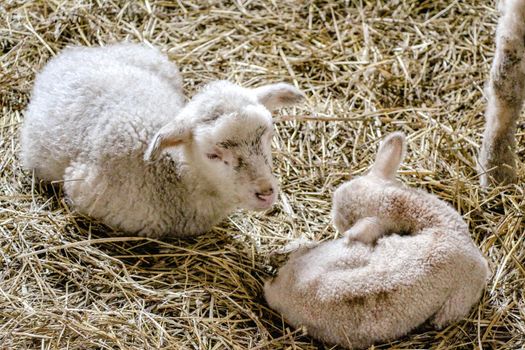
168 136
278 95
389 156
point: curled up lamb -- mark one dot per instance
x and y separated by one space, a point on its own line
112 123
405 258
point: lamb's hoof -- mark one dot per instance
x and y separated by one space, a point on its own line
299 243
353 236
280 256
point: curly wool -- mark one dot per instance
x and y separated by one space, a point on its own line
112 124
374 284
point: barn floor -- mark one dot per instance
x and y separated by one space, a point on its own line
367 67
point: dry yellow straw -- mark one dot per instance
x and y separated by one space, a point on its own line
368 68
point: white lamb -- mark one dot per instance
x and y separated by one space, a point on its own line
112 123
370 287
505 93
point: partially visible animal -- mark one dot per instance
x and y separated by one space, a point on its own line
505 94
405 258
113 125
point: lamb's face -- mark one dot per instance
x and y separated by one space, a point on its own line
235 149
226 132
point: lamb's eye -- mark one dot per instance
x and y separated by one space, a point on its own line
213 156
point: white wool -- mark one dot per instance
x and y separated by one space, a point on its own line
505 94
112 124
374 284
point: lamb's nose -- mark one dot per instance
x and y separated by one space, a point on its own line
264 194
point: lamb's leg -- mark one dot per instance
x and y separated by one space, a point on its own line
453 310
297 244
85 189
460 302
505 92
367 230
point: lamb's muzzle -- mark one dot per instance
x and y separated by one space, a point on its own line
265 193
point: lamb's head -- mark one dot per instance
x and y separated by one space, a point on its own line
352 201
226 131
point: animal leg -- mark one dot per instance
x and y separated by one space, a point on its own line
505 92
367 230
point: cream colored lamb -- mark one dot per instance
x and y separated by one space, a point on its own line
112 124
375 284
505 92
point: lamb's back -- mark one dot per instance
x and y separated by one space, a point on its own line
93 101
362 293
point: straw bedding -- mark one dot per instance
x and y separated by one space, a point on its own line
368 68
